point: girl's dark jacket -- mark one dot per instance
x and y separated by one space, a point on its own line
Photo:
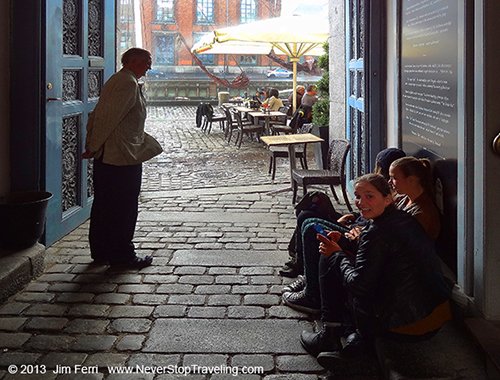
396 275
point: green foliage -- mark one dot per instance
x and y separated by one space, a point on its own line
321 112
323 61
321 109
324 85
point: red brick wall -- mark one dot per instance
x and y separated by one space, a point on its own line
185 15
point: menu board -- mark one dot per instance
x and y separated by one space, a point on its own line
429 77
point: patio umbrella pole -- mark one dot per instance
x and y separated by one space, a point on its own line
294 83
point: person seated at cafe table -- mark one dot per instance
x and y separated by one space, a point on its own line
300 90
273 102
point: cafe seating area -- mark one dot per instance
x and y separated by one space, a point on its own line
282 138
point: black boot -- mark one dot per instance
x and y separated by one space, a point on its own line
327 339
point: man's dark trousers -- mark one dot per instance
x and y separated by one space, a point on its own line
114 211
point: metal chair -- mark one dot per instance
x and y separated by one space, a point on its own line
209 117
333 176
278 151
231 123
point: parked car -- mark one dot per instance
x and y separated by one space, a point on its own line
155 74
279 73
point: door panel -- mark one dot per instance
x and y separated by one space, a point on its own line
80 52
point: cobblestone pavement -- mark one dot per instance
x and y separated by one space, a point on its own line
211 297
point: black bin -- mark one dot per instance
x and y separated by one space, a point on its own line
22 218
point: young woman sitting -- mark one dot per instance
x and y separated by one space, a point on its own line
392 285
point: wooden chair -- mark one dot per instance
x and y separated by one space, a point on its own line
333 176
278 151
244 128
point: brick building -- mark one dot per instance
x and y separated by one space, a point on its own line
164 20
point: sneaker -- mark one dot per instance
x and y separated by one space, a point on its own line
296 286
135 263
301 302
289 272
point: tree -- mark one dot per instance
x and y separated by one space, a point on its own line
321 109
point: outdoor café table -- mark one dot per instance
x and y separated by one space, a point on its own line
267 116
290 141
243 109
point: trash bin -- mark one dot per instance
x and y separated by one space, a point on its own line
22 218
223 97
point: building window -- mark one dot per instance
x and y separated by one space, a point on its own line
164 49
204 11
248 11
206 59
165 10
248 60
126 40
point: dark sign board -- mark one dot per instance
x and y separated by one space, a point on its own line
429 76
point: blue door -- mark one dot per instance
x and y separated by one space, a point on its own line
80 56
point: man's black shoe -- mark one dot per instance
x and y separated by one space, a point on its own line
134 263
289 272
324 340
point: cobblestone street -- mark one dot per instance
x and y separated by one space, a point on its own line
211 297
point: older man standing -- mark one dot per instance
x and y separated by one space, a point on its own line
117 142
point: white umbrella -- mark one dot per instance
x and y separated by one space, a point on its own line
294 36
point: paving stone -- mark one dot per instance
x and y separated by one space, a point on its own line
221 271
224 336
53 359
213 360
82 325
11 323
46 323
64 287
197 280
136 289
258 271
291 376
75 297
171 311
33 297
106 359
249 289
242 312
261 299
150 299
89 310
231 279
130 343
224 300
297 363
206 312
112 298
212 289
57 277
37 287
175 288
187 299
153 360
130 311
264 361
46 310
99 288
13 308
160 279
45 342
266 280
130 325
13 340
92 343
232 372
18 358
230 258
125 278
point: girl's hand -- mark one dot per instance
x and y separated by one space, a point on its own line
327 246
354 233
346 219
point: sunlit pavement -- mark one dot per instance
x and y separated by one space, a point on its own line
212 296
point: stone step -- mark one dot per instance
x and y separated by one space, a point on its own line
18 268
229 258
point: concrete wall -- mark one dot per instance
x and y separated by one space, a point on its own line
4 97
337 68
